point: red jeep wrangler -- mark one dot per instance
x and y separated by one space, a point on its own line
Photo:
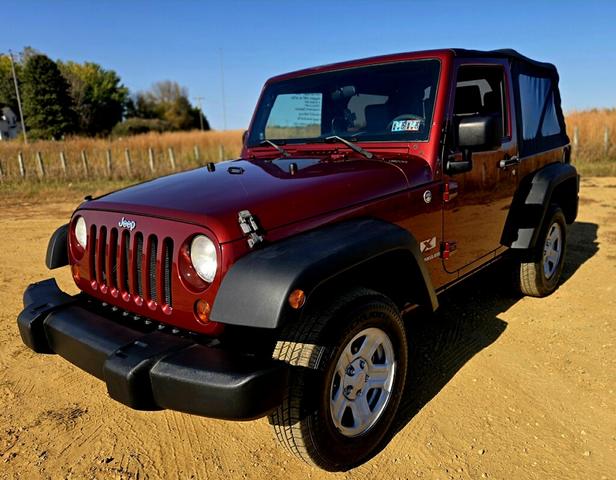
276 284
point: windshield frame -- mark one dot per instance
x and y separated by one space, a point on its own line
252 142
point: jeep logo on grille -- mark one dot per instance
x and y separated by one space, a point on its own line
130 224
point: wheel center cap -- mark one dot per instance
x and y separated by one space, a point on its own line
354 379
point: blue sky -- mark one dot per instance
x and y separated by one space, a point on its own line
183 40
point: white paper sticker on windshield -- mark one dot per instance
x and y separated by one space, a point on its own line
406 125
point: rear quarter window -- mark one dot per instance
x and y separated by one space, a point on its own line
539 116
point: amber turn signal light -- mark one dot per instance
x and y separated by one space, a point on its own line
202 311
75 269
297 298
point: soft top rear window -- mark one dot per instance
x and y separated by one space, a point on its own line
387 102
538 109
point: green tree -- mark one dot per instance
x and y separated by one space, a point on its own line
98 96
46 99
7 87
169 102
7 84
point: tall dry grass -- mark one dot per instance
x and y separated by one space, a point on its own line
592 155
190 149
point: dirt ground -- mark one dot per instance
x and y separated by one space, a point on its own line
501 386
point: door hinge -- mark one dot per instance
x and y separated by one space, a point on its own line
447 249
250 228
450 191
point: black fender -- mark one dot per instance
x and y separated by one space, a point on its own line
556 182
255 290
57 248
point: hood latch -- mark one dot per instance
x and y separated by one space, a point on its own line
250 227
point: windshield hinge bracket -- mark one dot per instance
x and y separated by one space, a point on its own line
250 228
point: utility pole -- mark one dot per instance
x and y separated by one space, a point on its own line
21 113
200 111
222 88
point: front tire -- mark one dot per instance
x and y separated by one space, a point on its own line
540 278
350 361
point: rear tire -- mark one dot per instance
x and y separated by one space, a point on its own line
350 361
540 278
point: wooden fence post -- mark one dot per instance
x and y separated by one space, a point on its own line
1 173
171 158
129 165
84 161
109 162
63 163
606 139
39 163
22 166
197 153
575 137
221 152
151 158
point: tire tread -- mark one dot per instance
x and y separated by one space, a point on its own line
305 351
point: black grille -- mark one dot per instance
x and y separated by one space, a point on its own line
152 273
124 263
128 262
167 263
102 252
138 260
113 258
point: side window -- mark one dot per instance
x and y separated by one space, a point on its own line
538 110
481 90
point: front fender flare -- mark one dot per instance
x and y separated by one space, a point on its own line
57 249
255 290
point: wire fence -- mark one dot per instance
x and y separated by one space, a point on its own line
137 158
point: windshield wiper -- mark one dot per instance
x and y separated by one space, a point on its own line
276 146
351 145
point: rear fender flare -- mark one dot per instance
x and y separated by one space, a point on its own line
532 201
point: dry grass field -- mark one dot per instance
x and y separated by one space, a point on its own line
595 131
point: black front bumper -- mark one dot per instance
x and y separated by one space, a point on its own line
150 371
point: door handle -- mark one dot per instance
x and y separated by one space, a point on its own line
509 162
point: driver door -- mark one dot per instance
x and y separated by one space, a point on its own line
479 200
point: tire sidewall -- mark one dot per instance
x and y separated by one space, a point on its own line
555 216
334 447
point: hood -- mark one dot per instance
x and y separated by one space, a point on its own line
266 188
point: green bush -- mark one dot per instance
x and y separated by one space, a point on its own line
135 126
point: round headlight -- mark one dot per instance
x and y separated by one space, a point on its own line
81 232
203 257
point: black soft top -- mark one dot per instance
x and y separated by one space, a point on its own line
508 53
540 119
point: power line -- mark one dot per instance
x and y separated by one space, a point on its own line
21 113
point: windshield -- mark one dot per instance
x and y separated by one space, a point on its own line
389 102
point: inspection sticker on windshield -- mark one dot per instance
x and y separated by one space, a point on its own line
406 125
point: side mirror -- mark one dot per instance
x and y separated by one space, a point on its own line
244 135
479 133
474 134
